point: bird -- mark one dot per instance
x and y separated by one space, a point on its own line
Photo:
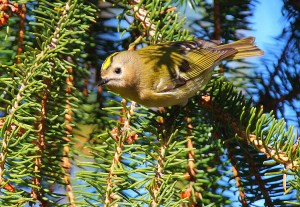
169 73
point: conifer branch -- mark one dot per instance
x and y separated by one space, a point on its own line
250 138
262 184
6 7
190 192
120 138
36 193
8 128
143 16
110 195
254 171
66 163
235 170
21 32
7 186
26 130
41 141
158 29
157 184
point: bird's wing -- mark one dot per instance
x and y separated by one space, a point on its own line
177 62
192 64
196 62
199 56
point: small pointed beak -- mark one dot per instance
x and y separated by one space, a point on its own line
103 82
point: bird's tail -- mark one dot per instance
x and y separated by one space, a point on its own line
245 48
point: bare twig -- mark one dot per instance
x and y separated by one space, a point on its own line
217 18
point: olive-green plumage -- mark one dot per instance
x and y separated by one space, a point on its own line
169 73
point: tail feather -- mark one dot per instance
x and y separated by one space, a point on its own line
245 48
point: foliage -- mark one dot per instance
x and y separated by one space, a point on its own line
218 150
280 92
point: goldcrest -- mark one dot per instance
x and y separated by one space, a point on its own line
169 73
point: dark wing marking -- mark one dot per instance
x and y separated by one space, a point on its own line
202 60
185 66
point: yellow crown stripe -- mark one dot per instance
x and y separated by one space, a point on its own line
107 61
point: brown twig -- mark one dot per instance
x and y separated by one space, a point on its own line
69 130
255 171
21 32
191 154
217 20
138 40
40 143
191 172
237 177
218 27
9 187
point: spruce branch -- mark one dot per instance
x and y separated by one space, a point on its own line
190 193
66 163
258 178
8 128
120 137
21 34
193 146
252 128
155 21
144 16
235 170
41 145
32 130
157 185
54 43
258 139
6 7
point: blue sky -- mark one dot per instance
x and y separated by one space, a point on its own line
267 22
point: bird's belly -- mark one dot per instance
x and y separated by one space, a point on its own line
163 100
177 96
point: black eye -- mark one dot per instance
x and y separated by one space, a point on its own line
118 70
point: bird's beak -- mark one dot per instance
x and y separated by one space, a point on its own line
103 82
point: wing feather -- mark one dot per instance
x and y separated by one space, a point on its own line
177 62
198 61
